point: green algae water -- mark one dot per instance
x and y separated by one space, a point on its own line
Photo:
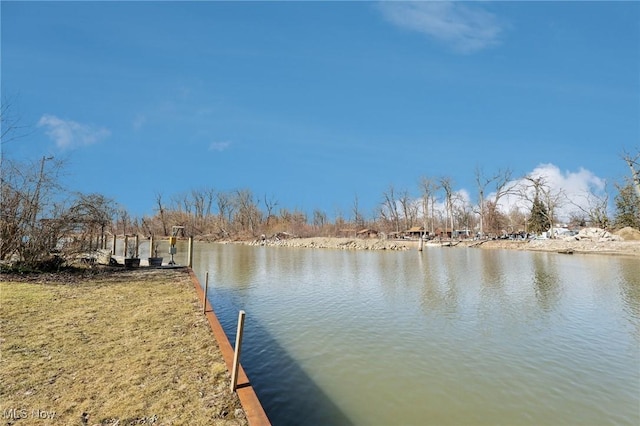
449 336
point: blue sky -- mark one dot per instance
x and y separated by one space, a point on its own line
315 103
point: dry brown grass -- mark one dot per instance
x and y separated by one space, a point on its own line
124 348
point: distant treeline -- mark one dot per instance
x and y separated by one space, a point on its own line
40 219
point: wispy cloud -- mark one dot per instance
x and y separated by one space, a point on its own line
219 146
71 134
464 27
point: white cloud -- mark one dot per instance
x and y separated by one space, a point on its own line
219 146
464 27
574 185
578 188
71 134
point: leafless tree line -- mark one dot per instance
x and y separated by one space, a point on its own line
438 209
40 219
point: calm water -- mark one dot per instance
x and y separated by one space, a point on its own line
447 336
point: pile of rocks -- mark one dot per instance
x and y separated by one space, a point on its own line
331 243
629 234
593 234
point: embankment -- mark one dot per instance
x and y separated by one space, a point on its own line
629 248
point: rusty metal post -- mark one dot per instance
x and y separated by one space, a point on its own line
206 288
236 352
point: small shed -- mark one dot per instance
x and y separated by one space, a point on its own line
414 232
367 233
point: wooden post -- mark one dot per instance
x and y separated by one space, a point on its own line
124 247
113 248
421 243
136 242
236 352
206 288
190 253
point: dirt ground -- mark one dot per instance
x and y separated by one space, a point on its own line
627 248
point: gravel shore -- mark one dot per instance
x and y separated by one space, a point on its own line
629 248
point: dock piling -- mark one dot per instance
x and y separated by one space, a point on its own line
206 288
236 352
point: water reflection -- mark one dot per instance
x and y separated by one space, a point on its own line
629 273
440 282
545 281
492 269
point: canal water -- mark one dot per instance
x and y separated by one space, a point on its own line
449 336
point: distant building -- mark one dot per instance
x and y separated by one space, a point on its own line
462 233
367 233
415 232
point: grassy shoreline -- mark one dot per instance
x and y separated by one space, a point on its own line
126 347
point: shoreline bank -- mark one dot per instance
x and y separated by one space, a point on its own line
623 248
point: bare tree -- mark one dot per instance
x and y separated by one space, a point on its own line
446 183
31 222
358 219
270 204
594 207
389 211
90 214
247 214
225 211
161 213
482 183
463 212
35 222
495 220
409 209
198 202
123 218
517 220
210 195
319 219
10 127
201 201
503 186
428 188
633 161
